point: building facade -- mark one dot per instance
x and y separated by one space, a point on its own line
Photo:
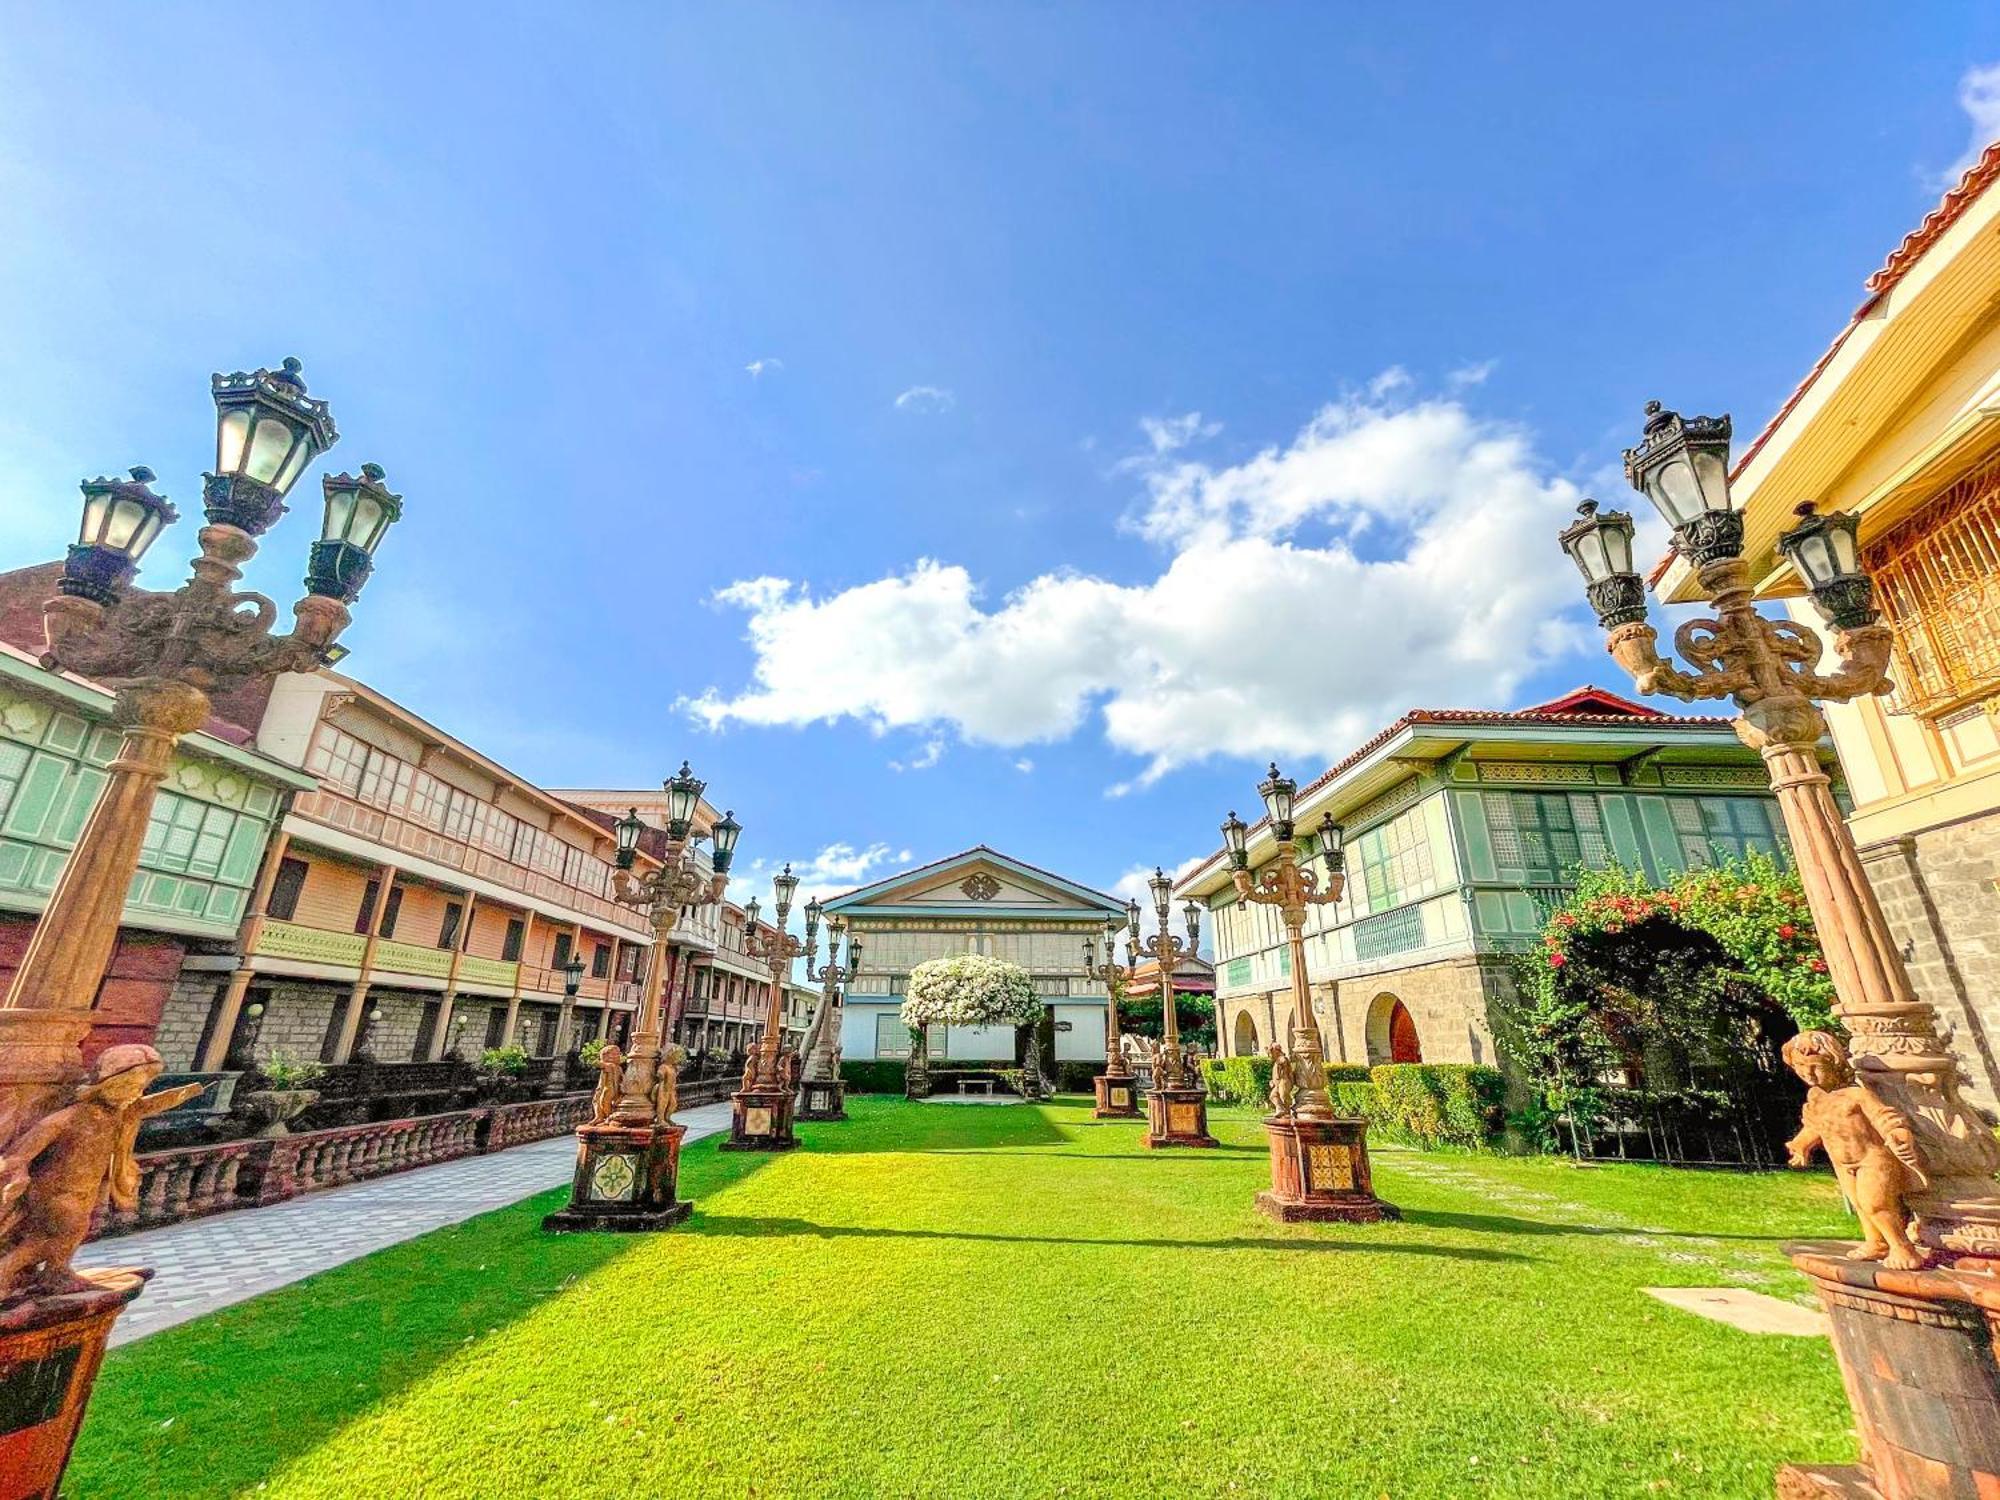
1461 829
1899 423
418 901
212 822
978 901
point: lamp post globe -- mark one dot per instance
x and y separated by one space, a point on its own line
684 790
121 519
359 512
267 429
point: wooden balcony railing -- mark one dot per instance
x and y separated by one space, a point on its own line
392 831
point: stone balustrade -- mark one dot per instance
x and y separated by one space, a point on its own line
197 1180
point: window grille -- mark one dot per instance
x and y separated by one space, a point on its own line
1937 580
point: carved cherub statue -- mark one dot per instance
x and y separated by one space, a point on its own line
667 1084
750 1071
610 1083
789 1069
1283 1086
1869 1141
56 1171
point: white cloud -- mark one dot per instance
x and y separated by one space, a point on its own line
1979 97
1169 433
1270 630
1390 381
925 399
1024 765
1472 374
924 759
759 368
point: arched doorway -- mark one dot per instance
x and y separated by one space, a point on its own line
1244 1043
1392 1032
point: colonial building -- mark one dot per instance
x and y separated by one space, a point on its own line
1461 827
419 899
979 901
211 823
1899 423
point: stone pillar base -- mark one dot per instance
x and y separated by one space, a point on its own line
1319 1173
760 1120
823 1099
626 1180
50 1348
1117 1097
1177 1117
1916 1352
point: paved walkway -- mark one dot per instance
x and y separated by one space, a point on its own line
209 1263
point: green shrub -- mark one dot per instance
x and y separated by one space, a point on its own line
591 1050
874 1075
284 1072
504 1062
1238 1080
1077 1075
1439 1104
1351 1098
1349 1073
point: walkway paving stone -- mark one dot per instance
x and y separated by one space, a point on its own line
210 1263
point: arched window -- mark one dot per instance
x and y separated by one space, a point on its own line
1245 1044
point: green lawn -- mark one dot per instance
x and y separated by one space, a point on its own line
1014 1302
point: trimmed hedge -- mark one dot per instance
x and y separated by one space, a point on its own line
1439 1104
1349 1073
1352 1098
1238 1080
1077 1075
873 1076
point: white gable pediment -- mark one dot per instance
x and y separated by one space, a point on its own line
973 882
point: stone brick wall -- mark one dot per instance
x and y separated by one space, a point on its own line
184 1016
1940 891
1448 1001
295 1017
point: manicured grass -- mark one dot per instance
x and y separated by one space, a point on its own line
1014 1302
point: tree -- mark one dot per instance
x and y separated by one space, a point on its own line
970 989
1141 1015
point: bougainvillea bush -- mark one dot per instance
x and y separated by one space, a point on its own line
1665 1004
970 989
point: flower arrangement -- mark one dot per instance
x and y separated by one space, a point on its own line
970 989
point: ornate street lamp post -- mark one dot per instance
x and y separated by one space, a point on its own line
1319 1160
1117 1098
163 655
628 1165
1176 1106
1893 1075
823 1095
761 1110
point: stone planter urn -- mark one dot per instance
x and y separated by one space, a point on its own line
270 1111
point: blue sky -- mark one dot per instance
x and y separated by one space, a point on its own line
945 424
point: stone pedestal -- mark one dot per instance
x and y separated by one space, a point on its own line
1916 1352
50 1348
823 1099
1177 1117
626 1179
1117 1097
1319 1172
760 1120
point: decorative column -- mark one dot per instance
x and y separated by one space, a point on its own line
1319 1160
1176 1106
628 1152
1914 1308
66 1136
215 1052
1117 1094
761 1110
823 1093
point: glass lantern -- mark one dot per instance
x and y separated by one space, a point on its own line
267 429
121 519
